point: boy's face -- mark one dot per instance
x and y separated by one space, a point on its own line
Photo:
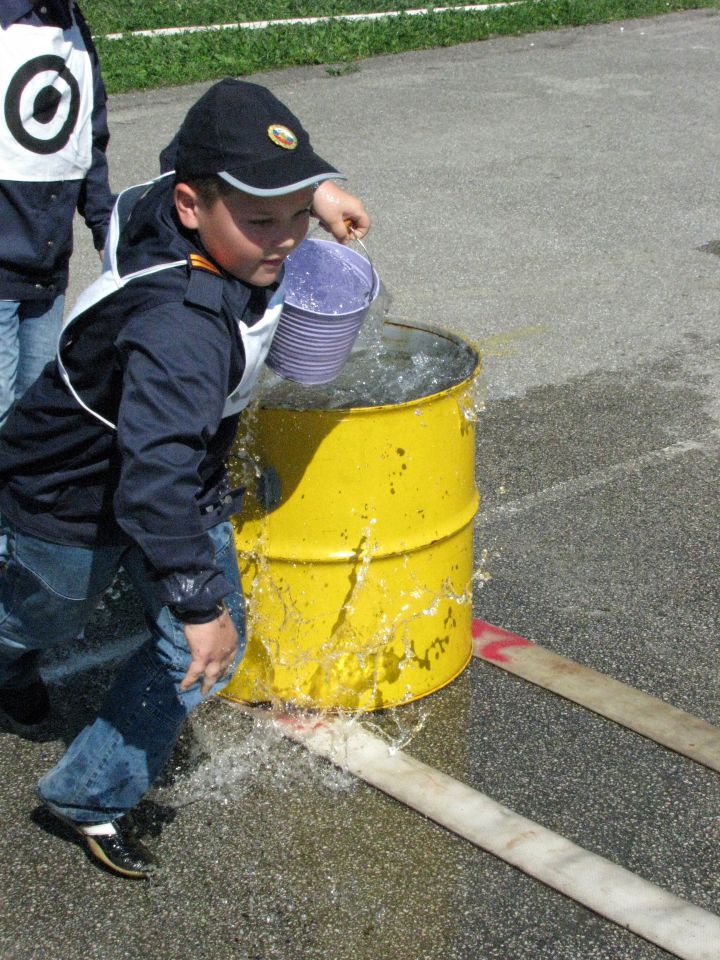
248 236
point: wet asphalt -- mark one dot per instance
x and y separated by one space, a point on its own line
554 198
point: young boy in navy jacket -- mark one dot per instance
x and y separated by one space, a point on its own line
116 456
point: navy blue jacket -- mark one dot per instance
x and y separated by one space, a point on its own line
158 357
37 215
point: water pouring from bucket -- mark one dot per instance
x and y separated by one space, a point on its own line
329 289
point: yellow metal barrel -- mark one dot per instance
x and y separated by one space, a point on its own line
359 583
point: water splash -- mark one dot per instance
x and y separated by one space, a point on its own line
223 761
473 400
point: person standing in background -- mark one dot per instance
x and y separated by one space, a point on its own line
53 139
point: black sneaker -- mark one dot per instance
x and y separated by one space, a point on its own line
27 706
116 847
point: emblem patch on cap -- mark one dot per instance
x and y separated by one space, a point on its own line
282 136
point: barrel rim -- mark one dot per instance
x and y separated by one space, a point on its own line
417 402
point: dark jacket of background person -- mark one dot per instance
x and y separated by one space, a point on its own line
37 215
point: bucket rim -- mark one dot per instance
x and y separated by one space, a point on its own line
299 312
336 412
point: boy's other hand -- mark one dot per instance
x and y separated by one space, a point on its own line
333 206
213 646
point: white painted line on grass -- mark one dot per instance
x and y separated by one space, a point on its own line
682 732
310 21
683 929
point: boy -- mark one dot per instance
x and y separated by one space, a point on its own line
53 137
116 455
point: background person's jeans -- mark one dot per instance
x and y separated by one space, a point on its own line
29 331
47 593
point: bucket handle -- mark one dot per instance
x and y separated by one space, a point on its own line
373 274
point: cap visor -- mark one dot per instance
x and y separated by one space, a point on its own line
279 191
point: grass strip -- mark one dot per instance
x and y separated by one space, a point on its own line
109 16
146 62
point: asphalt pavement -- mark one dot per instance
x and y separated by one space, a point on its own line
554 198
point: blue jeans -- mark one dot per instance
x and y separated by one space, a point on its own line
47 593
29 332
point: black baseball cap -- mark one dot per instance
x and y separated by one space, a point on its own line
242 133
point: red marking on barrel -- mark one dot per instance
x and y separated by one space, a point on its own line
490 641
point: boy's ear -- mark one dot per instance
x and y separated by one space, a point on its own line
187 202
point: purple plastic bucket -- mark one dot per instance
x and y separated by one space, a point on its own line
329 288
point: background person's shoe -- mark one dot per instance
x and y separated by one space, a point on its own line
27 706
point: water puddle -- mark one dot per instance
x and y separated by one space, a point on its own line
712 247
